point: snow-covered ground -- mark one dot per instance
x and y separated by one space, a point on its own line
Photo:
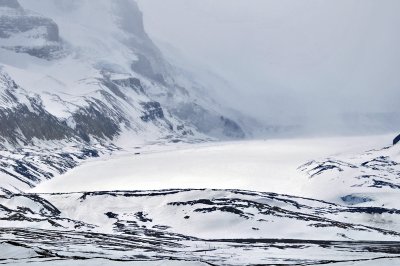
98 262
262 165
106 159
319 200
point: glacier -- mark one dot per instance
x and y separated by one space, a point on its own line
109 156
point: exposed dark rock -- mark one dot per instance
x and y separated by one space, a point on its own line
47 209
98 120
396 140
184 131
373 210
381 184
114 88
314 168
88 153
143 217
378 162
18 21
47 52
22 169
10 25
231 128
23 124
111 215
233 210
152 111
133 83
208 122
193 202
28 168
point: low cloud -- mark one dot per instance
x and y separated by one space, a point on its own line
318 60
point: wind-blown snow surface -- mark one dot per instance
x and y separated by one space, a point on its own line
345 171
311 214
269 165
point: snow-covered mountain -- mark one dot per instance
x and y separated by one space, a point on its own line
80 80
87 76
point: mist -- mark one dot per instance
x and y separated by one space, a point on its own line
330 65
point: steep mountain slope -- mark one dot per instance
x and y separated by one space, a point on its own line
107 41
87 76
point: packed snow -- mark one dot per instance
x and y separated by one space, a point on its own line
264 165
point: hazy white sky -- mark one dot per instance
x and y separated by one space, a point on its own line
290 56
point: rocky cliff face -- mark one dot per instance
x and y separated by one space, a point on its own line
23 31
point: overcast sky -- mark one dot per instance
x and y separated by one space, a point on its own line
290 56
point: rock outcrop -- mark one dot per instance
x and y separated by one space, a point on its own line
396 140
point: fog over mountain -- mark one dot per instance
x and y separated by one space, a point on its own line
325 64
195 132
